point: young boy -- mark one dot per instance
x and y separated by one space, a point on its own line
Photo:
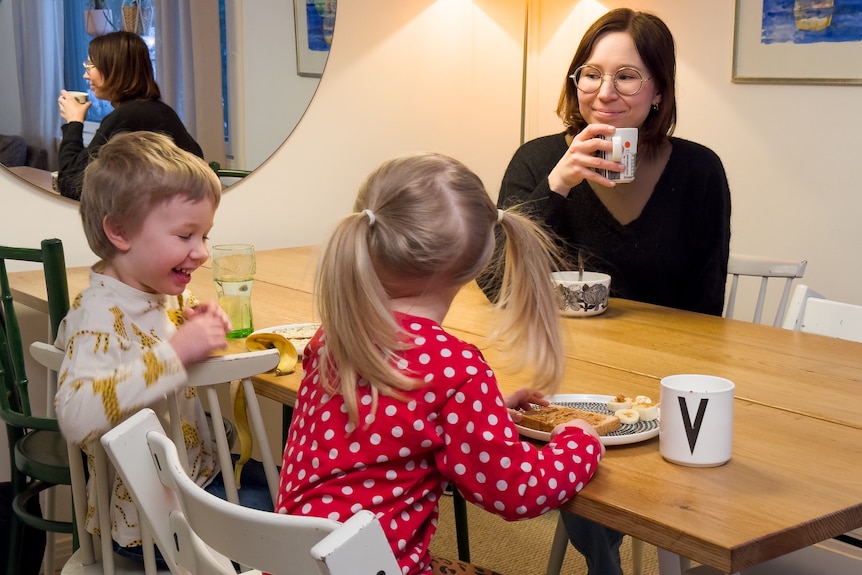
147 207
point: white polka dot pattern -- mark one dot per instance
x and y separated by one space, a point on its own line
397 464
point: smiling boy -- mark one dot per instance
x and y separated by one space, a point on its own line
147 207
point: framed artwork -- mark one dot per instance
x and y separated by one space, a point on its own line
798 42
315 23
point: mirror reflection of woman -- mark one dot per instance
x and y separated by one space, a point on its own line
119 70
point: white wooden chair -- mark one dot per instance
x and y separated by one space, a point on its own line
809 311
95 555
206 529
742 265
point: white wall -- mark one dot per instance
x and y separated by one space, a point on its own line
272 98
402 76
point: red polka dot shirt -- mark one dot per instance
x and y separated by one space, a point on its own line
397 461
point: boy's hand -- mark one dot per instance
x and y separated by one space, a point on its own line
202 333
209 307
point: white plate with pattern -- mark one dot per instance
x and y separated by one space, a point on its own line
299 334
626 434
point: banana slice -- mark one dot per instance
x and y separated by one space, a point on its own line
619 402
642 399
286 351
627 416
647 411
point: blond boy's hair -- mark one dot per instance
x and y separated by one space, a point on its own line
133 173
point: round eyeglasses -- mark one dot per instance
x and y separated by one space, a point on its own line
88 65
627 81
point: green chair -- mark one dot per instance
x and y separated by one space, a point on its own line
229 173
37 451
229 177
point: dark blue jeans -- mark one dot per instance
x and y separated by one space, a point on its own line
599 545
254 493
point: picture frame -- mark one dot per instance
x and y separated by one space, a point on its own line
314 21
797 42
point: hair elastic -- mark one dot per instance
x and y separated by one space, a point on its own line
500 214
371 218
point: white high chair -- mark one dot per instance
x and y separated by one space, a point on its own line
205 530
95 555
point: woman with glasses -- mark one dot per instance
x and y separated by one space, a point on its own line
120 71
664 237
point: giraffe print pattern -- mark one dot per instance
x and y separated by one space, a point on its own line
117 361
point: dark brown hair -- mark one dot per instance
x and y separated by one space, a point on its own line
123 59
655 45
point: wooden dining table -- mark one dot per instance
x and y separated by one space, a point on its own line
794 476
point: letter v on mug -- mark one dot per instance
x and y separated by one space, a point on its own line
696 427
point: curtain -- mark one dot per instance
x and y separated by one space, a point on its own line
38 28
188 69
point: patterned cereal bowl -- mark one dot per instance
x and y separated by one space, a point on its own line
584 297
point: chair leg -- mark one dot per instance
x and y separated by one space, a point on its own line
15 543
670 563
461 527
637 556
558 549
50 537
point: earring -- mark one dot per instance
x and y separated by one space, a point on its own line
654 107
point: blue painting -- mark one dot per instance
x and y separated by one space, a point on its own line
811 21
320 19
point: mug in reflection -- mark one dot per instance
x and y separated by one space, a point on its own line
80 97
234 267
696 426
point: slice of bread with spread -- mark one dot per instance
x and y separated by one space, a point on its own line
548 417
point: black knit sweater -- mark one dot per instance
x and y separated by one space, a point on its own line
133 116
674 254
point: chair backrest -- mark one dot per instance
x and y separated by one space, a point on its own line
741 265
810 312
272 542
206 375
229 176
15 402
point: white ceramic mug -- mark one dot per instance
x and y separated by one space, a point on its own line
696 427
81 97
625 151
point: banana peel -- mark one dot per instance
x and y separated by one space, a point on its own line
286 351
240 416
287 360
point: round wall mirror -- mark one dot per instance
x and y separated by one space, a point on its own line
271 53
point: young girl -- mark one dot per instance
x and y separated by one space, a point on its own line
392 408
